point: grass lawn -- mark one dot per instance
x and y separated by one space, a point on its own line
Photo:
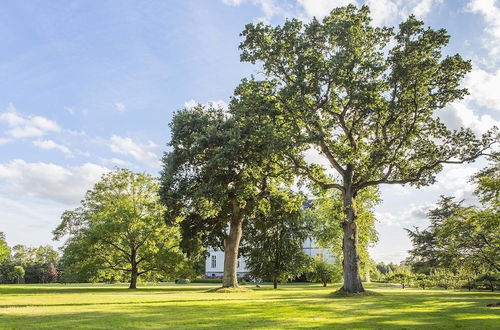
305 306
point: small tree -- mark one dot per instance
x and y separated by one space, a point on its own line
443 278
51 274
403 275
467 274
273 243
489 280
423 281
120 227
17 274
325 272
4 249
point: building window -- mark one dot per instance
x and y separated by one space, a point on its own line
214 261
319 256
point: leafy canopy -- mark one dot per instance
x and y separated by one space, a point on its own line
120 227
365 97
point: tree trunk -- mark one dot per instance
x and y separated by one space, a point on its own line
352 280
325 283
134 273
133 280
231 247
275 283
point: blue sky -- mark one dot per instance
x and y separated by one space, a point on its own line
89 85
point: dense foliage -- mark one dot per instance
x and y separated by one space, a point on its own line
22 264
325 272
462 239
217 175
273 239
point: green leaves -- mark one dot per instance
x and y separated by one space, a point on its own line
119 227
365 96
274 237
462 235
222 163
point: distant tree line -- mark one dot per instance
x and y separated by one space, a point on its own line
22 264
460 248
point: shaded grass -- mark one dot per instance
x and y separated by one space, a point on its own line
230 290
291 306
341 293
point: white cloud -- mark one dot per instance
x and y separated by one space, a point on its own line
391 12
120 107
484 87
414 214
216 104
457 180
455 177
268 7
49 144
459 114
49 181
140 152
490 10
233 2
4 141
321 8
388 12
71 111
190 104
29 221
22 126
117 161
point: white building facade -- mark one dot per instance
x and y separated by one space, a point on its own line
214 263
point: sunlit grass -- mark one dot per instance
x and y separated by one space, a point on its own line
291 306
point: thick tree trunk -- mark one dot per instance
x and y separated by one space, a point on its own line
275 283
352 280
134 273
133 279
231 247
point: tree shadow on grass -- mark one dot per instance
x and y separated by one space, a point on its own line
30 290
288 308
256 314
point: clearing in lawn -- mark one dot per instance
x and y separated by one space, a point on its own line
291 306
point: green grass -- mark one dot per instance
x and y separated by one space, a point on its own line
292 306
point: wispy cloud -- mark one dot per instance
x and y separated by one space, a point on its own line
49 144
23 126
120 107
140 152
66 185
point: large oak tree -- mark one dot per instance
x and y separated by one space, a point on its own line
366 99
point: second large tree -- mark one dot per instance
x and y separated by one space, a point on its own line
218 173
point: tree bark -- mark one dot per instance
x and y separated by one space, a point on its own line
352 279
133 280
231 247
134 273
